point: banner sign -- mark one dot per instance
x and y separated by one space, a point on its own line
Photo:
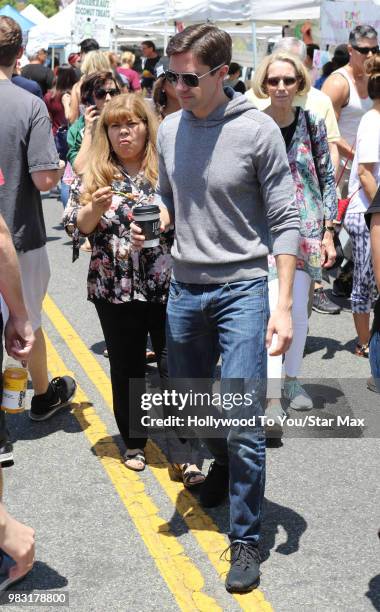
339 18
93 20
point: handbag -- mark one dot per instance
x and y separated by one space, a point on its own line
337 244
60 139
343 205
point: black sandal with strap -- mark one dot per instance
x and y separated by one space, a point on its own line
362 350
182 473
139 456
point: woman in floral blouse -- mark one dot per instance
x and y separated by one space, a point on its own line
128 288
280 77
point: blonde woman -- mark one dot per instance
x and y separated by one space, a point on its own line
281 77
127 61
94 61
128 288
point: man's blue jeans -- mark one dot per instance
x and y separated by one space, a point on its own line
229 320
374 357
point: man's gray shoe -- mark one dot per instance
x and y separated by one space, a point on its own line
244 574
275 413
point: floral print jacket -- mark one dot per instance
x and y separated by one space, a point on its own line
314 182
118 273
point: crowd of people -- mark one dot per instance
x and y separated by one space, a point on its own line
247 186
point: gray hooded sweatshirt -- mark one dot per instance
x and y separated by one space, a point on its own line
225 180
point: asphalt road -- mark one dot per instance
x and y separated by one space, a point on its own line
114 540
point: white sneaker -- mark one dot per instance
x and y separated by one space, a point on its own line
299 399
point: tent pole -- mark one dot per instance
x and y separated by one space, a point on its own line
52 58
166 36
254 45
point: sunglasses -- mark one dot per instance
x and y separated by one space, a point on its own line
366 50
102 93
190 79
288 81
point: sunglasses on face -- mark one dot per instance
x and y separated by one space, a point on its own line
190 79
101 93
366 50
288 81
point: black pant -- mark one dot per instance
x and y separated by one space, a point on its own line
125 328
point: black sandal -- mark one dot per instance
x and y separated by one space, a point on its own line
139 456
362 350
181 473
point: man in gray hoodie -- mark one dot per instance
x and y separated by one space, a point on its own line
224 180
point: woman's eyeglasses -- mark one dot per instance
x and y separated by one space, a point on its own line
366 50
288 81
101 93
190 79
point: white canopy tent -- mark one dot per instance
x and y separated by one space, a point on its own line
32 13
57 30
238 17
132 19
151 12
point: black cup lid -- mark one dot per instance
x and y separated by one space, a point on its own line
146 209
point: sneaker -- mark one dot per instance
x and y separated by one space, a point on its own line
372 386
244 574
60 392
299 399
6 454
276 413
214 490
6 446
322 304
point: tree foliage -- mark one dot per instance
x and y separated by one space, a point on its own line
47 7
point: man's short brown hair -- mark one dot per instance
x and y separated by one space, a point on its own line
210 45
10 41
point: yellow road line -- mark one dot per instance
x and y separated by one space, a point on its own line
202 527
182 577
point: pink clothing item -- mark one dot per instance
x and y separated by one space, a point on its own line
132 76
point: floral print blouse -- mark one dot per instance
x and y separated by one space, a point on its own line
118 273
314 181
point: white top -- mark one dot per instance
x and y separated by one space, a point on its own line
367 151
351 114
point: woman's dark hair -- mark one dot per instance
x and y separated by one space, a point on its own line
66 78
310 50
159 96
328 68
341 56
372 68
92 82
210 45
